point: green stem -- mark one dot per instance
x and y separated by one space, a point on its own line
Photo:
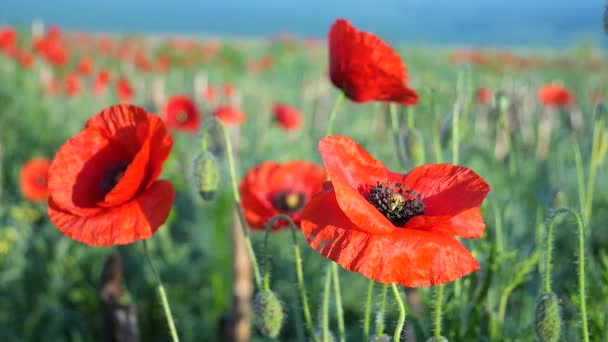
266 255
395 129
401 320
581 267
438 311
580 177
163 296
380 314
593 163
325 306
332 115
338 295
368 310
410 118
237 200
299 273
455 132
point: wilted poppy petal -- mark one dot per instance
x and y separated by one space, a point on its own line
133 221
447 189
349 163
409 257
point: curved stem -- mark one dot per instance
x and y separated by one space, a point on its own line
332 115
581 267
237 201
401 320
325 306
299 273
380 314
438 311
163 296
338 295
368 310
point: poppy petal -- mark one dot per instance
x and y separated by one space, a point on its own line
133 221
447 189
362 213
411 258
468 224
349 163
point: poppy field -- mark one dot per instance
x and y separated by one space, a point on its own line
164 188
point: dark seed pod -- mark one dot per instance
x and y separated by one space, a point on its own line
206 175
268 313
548 321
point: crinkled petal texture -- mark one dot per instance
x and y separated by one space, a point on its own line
103 181
365 67
182 114
261 184
343 226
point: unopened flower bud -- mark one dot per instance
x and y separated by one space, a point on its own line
268 313
502 101
206 175
548 321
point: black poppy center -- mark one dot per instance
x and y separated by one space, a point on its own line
182 117
289 201
396 202
40 181
112 176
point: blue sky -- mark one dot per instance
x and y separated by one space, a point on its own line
458 22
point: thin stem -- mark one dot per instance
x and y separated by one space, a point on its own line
580 177
581 267
325 306
266 255
455 131
401 320
338 295
410 118
380 314
395 129
438 311
163 296
332 115
368 310
299 273
593 163
237 201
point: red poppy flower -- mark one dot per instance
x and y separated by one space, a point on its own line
209 93
103 181
85 66
34 179
26 59
287 117
365 67
102 79
124 91
228 90
181 113
72 84
229 116
555 95
273 188
484 95
391 227
8 37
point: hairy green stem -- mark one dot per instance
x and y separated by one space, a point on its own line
236 197
368 310
163 296
401 320
593 165
332 115
580 177
581 267
380 313
338 295
438 311
299 272
325 306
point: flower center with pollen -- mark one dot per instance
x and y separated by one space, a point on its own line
288 201
112 177
395 202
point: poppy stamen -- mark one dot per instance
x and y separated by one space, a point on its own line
289 201
112 177
395 202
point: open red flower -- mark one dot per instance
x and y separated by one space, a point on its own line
72 84
555 95
365 67
392 227
85 66
229 116
34 179
103 181
287 116
124 91
273 188
484 95
8 38
181 113
100 84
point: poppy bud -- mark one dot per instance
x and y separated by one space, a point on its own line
206 175
381 338
548 321
413 145
503 101
437 339
558 199
268 313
